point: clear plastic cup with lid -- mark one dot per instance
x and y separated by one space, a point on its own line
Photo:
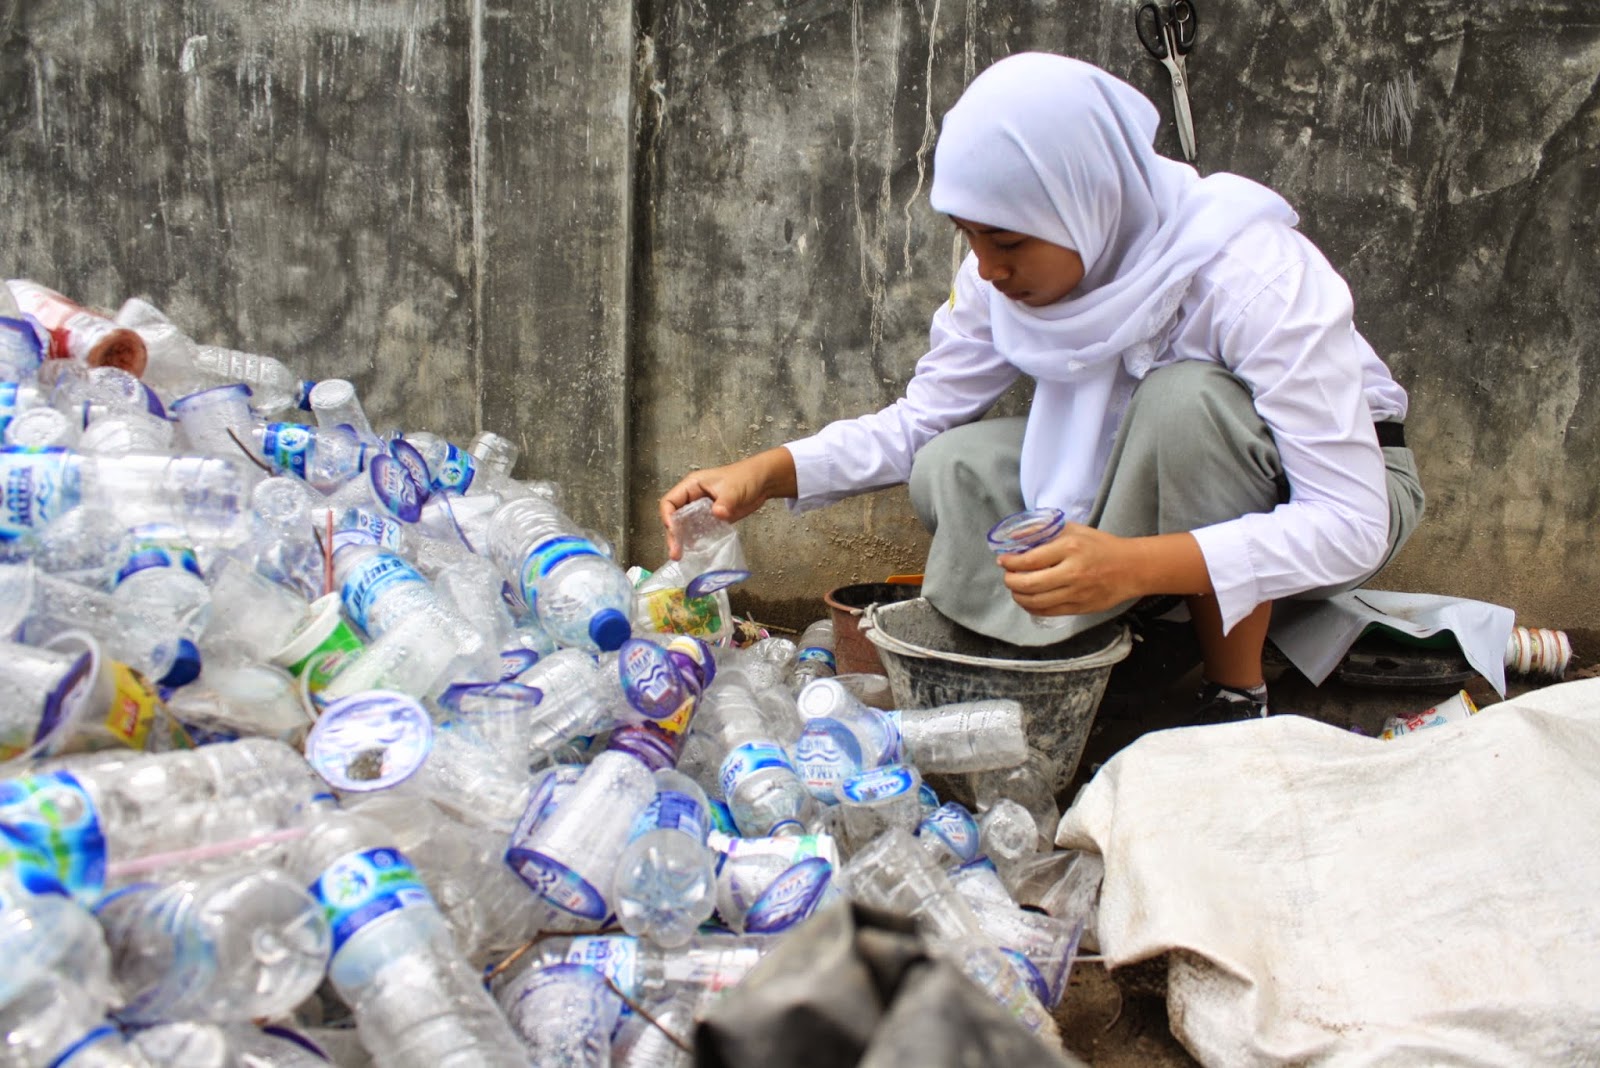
1029 529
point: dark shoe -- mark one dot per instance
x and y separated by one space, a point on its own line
1224 704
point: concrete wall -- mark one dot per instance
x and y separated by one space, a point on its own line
644 235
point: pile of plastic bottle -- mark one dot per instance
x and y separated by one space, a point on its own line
323 745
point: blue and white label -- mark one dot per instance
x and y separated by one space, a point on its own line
21 350
28 865
562 887
54 815
373 579
456 470
819 654
289 447
747 760
546 556
39 484
360 887
614 956
408 457
395 489
879 784
792 897
158 546
722 818
513 662
650 679
670 810
379 529
953 825
826 754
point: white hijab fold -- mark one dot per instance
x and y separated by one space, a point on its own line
1061 150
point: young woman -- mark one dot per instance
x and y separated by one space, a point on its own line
1205 412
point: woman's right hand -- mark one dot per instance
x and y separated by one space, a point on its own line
735 489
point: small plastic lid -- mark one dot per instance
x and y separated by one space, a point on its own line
185 667
322 616
609 629
1022 531
331 393
650 679
211 396
712 581
370 740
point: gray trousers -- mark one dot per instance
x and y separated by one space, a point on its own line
1191 451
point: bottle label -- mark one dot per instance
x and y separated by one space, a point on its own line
953 825
514 662
671 611
545 557
158 546
289 447
792 897
395 489
456 470
60 705
670 810
879 784
372 580
820 655
722 818
39 484
133 706
28 865
561 886
380 529
407 456
748 759
54 814
826 755
359 887
1030 975
614 956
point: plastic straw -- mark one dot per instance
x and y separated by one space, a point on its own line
155 861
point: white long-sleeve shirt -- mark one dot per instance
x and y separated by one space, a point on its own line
1269 308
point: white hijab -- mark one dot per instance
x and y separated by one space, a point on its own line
1061 150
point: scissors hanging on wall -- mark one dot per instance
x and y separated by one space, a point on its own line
1167 32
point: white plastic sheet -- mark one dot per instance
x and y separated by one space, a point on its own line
1331 899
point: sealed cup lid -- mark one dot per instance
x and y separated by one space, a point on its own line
1022 531
650 679
408 456
395 489
370 740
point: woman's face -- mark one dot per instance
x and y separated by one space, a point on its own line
1026 269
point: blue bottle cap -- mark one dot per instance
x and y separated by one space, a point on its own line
609 629
302 398
185 665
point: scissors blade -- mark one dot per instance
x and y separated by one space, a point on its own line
1181 112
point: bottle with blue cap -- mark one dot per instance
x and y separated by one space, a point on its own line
416 1001
161 577
324 457
581 596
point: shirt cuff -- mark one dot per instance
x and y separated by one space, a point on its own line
813 474
1226 550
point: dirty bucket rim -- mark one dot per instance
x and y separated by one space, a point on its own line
1115 650
832 601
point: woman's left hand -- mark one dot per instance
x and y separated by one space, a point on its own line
1082 570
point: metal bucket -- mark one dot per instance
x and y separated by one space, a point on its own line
932 660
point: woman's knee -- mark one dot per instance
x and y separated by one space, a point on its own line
1187 413
964 461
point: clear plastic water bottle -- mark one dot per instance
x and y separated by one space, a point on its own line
582 597
876 800
495 454
573 702
381 590
760 784
1008 837
571 859
815 659
161 577
107 818
949 835
666 882
337 406
51 1024
642 1043
43 932
1041 948
768 885
205 1045
966 736
206 499
642 970
230 947
842 738
450 469
565 1014
273 387
126 631
1031 784
417 1003
326 458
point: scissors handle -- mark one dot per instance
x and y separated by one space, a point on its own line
1184 22
1150 22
